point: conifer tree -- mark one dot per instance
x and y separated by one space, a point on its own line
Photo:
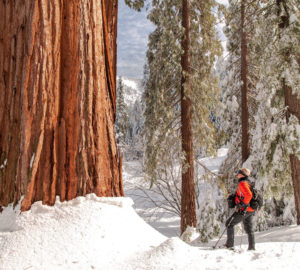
121 123
238 85
273 51
163 88
277 150
291 96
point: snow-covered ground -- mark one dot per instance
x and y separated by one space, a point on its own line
107 233
136 188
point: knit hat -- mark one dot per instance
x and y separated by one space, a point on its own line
244 171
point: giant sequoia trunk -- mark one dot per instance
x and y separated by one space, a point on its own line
244 90
57 102
188 212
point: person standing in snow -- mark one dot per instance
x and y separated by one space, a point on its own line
244 213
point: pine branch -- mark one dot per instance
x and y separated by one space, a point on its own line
208 170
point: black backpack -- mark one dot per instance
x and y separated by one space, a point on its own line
257 200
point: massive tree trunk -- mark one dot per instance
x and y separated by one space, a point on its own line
244 89
188 212
57 102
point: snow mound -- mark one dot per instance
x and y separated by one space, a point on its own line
171 254
85 233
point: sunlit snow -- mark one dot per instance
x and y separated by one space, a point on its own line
107 233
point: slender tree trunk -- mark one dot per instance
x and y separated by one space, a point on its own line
293 104
57 104
295 168
188 212
244 89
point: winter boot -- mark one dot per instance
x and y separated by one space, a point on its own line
251 241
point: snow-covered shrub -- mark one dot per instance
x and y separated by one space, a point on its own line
190 234
208 223
211 206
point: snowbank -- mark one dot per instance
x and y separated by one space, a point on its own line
106 233
85 233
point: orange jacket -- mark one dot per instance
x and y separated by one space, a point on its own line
244 194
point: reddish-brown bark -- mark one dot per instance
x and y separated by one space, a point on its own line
188 212
57 104
244 89
292 102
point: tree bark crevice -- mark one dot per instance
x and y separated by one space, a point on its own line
57 76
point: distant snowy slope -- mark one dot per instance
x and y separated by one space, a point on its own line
132 90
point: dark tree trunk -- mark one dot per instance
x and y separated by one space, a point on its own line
57 104
244 89
293 104
188 212
295 168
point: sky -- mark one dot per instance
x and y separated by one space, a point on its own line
133 31
132 40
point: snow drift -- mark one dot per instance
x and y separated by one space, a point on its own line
85 233
106 233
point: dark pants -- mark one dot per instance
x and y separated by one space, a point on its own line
247 220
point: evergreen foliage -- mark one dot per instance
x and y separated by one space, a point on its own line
273 54
163 155
230 83
275 138
122 121
162 93
273 43
276 133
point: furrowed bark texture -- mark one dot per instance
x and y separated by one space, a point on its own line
57 102
188 212
244 90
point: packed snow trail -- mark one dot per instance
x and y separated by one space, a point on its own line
106 233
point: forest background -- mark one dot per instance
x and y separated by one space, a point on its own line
267 142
